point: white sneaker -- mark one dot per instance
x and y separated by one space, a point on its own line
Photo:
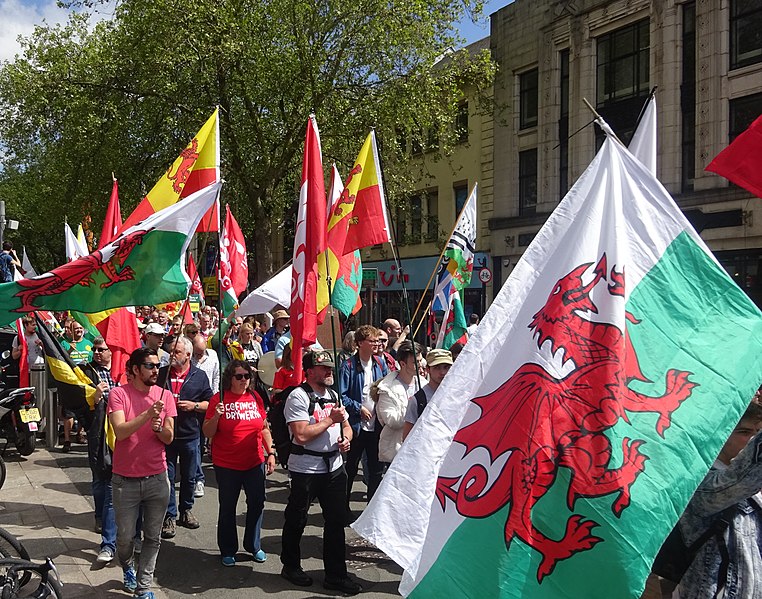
198 490
105 555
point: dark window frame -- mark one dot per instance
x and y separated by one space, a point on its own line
611 60
742 112
745 19
528 171
529 98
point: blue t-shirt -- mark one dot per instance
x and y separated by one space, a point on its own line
6 267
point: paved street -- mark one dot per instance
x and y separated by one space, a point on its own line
46 503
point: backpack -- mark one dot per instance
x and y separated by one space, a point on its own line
675 557
420 401
277 418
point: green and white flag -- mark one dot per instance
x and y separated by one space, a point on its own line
574 427
145 265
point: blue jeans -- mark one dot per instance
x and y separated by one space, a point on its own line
130 495
229 483
187 452
104 511
199 471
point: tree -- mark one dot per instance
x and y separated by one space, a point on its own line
127 95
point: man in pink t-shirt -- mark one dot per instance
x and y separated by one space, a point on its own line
142 415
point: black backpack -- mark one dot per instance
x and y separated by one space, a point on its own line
420 401
675 557
277 419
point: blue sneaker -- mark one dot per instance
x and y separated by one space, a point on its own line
260 557
146 595
130 580
228 560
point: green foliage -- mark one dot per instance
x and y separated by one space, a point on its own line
127 95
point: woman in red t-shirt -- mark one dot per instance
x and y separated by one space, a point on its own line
242 450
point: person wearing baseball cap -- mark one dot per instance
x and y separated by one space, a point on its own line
320 433
153 335
438 363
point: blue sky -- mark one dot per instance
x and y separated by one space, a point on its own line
476 31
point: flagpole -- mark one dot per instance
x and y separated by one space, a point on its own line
651 94
439 261
400 269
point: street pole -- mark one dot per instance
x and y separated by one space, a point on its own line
2 222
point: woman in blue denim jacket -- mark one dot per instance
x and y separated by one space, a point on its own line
734 480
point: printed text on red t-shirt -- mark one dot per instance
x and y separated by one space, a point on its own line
242 410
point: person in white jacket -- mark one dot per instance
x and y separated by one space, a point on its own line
393 393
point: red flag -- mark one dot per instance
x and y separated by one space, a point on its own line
740 162
113 220
309 242
23 362
235 245
196 286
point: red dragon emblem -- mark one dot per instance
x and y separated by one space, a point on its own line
180 178
81 272
345 199
544 423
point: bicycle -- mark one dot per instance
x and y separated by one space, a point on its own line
11 547
13 571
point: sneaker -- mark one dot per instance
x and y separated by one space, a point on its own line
346 585
228 561
106 555
260 557
146 595
168 529
188 520
130 580
198 490
66 446
295 575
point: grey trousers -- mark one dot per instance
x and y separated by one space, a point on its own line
130 494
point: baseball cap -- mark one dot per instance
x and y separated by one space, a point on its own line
317 358
154 328
435 357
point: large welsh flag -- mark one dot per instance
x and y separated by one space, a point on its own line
574 427
145 265
197 166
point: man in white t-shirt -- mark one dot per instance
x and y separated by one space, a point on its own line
438 363
319 436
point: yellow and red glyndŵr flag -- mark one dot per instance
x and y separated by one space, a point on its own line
197 166
362 206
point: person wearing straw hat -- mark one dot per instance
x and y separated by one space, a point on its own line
280 326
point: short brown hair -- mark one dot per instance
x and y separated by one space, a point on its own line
364 332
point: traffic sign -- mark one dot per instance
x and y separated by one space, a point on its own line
485 275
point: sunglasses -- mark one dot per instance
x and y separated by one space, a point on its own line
240 376
150 366
100 349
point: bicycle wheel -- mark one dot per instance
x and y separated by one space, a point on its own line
12 571
11 547
3 472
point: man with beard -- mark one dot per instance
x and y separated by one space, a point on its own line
142 416
320 433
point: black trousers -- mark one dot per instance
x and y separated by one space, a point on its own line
366 441
330 489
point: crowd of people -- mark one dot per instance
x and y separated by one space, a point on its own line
196 387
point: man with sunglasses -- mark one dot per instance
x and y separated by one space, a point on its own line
142 416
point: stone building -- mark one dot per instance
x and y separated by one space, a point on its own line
703 57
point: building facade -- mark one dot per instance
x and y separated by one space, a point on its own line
703 57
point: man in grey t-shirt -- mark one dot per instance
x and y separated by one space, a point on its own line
319 437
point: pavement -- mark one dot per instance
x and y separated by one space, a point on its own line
46 503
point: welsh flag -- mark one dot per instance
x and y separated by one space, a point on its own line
571 432
454 274
145 265
345 269
197 166
234 266
309 244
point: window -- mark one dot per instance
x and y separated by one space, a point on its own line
743 111
528 99
688 98
460 191
563 125
461 123
528 182
623 70
416 218
745 32
432 215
